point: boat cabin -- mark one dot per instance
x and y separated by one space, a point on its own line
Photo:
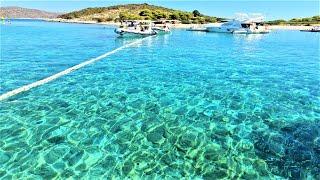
136 24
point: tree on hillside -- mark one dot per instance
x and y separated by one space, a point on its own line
145 12
174 16
316 18
196 13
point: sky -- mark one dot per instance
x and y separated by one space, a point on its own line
271 9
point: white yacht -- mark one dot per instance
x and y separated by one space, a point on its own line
241 26
228 27
143 28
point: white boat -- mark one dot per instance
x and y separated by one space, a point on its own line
313 29
248 27
143 28
160 27
241 26
227 27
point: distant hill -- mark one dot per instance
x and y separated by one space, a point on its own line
18 12
297 21
138 12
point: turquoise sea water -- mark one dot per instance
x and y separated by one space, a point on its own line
182 105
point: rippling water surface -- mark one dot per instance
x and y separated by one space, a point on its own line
185 104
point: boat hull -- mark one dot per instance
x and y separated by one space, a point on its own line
161 30
126 32
235 30
245 31
198 29
312 30
220 29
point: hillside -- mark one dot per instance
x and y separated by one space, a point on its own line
297 21
137 12
18 12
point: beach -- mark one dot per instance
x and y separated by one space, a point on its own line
176 26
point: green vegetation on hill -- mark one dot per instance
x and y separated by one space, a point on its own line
297 21
139 12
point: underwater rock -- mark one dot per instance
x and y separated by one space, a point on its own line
50 157
193 154
317 146
45 172
2 173
261 167
115 128
81 167
249 175
192 113
294 173
292 146
61 103
124 137
56 139
212 152
241 116
74 156
306 134
220 130
181 111
143 160
186 141
276 149
167 159
215 174
136 103
127 167
108 162
235 105
152 107
165 101
245 145
156 135
59 166
4 157
132 90
300 153
67 173
225 119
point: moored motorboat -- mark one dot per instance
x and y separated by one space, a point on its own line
227 27
143 28
160 27
241 26
313 29
250 27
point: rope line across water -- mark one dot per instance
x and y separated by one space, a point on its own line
65 72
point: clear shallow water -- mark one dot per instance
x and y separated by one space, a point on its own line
32 50
194 105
